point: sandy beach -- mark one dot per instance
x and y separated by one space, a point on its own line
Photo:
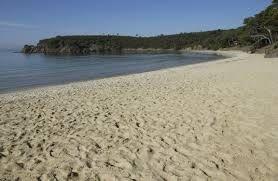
209 121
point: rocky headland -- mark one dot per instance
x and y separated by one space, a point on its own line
71 46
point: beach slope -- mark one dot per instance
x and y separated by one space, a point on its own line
209 121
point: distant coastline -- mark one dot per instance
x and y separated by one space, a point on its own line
106 44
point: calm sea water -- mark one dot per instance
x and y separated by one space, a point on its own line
19 71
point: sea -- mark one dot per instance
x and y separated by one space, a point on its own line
20 71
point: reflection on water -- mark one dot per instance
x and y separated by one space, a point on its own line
19 71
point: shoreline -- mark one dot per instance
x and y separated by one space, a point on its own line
29 88
226 55
209 121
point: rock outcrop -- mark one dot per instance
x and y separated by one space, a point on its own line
272 52
28 49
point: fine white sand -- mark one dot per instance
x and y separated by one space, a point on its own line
209 121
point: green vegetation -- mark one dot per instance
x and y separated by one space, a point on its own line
211 40
263 27
259 30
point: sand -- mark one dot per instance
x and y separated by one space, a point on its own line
209 121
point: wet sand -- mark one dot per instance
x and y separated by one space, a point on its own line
209 121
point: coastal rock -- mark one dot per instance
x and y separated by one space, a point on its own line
28 49
272 55
272 52
94 48
71 50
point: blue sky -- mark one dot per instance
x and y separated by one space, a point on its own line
27 21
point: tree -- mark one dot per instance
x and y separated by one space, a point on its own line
263 25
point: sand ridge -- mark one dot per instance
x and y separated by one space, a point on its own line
210 121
